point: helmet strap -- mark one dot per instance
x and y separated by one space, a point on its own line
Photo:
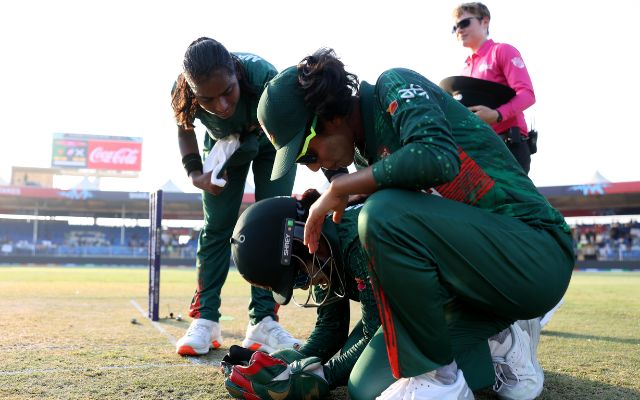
334 289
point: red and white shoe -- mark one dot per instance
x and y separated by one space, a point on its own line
201 336
269 336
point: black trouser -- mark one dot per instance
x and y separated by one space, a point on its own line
519 146
522 154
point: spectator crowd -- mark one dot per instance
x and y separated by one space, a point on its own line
607 242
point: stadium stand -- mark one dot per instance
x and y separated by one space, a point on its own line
58 238
605 242
608 242
55 241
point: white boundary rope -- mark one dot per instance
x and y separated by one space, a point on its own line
118 367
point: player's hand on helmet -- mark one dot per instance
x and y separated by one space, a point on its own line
270 378
329 201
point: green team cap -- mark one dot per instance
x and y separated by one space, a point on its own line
284 117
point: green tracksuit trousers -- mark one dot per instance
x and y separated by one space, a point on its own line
447 276
220 215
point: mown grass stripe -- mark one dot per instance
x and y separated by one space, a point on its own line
156 325
106 368
172 340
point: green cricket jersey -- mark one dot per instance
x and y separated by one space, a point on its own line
418 137
331 331
221 211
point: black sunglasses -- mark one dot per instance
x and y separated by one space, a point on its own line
308 158
464 23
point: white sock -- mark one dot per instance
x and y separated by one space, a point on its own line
447 374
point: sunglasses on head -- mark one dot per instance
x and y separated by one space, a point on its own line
304 157
464 23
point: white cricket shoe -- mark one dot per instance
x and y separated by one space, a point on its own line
518 373
269 336
201 336
427 387
547 317
532 327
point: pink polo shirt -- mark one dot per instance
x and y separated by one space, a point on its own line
502 63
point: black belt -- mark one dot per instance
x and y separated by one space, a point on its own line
513 135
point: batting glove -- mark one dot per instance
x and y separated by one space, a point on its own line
269 378
288 355
237 355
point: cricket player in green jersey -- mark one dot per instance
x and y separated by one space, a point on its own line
460 243
221 90
271 232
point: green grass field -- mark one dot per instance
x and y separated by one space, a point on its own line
67 334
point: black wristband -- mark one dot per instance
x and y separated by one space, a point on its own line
192 162
499 119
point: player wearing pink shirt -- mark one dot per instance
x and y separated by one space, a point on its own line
501 63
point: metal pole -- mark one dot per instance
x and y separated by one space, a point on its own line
122 215
34 238
155 246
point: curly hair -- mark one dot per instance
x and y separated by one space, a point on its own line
328 86
204 57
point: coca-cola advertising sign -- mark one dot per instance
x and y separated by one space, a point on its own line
121 156
114 153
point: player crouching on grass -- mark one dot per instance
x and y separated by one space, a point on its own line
269 235
459 242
